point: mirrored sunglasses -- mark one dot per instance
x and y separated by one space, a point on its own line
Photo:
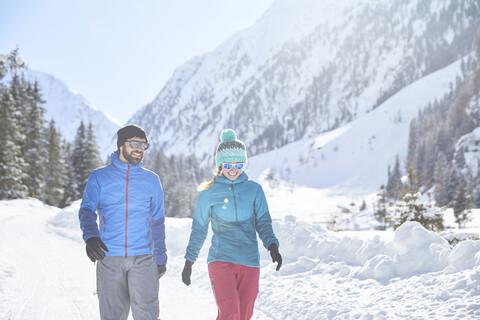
135 144
229 166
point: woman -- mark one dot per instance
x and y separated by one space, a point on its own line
237 209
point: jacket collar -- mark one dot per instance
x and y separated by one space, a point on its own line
115 161
243 177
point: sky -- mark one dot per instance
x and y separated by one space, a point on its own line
119 54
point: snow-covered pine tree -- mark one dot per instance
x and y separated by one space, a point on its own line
35 144
381 208
83 158
56 167
413 206
12 164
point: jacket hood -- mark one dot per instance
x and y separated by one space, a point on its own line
114 160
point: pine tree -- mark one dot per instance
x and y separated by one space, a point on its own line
92 157
453 182
440 176
412 206
394 183
476 187
461 205
12 166
56 167
460 158
381 211
35 144
79 162
84 158
179 185
71 192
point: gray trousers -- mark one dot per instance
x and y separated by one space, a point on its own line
124 282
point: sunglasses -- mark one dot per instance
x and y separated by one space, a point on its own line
135 144
229 166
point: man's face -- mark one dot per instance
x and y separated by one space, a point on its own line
130 155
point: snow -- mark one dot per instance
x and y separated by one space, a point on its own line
408 273
353 159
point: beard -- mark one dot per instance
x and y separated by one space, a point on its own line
130 158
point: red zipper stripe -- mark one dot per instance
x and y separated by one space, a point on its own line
126 213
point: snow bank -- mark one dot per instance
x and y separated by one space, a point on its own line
412 251
416 250
326 275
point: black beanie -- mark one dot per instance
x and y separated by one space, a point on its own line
129 131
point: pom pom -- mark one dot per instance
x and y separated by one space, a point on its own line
228 135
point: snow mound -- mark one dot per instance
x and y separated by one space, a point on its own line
303 245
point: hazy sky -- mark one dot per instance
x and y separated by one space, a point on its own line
119 53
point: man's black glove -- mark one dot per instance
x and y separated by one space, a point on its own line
162 268
276 257
187 272
94 249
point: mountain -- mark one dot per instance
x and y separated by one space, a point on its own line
68 108
306 67
354 158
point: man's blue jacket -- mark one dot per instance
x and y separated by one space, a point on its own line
129 202
238 211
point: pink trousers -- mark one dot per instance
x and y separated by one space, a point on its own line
235 288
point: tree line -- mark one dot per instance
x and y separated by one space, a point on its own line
35 161
440 137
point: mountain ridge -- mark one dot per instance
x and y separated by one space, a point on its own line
68 108
275 91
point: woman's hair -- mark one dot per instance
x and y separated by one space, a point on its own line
205 185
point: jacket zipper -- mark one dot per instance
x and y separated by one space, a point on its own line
236 217
126 211
235 202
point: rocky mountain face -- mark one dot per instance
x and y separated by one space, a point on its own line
304 68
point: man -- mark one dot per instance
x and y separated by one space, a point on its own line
129 247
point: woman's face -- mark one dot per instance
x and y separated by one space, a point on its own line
232 173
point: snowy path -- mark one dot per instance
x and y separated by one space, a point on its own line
45 274
39 278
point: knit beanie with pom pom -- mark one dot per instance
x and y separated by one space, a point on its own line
230 149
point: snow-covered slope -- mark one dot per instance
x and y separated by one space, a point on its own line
353 160
68 108
304 68
409 274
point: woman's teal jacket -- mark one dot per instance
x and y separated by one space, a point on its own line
238 210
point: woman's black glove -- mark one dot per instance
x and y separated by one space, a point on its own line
276 257
162 268
187 272
94 249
